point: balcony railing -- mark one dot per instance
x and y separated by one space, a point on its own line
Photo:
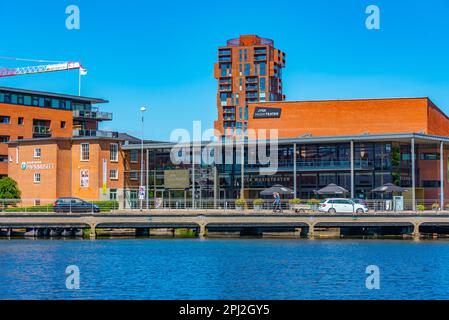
41 130
226 88
224 59
252 80
252 95
95 115
94 133
225 52
252 88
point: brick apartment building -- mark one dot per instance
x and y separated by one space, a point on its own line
249 69
52 146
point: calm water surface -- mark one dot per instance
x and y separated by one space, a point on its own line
223 269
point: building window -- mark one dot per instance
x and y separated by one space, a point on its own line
247 69
4 139
37 202
113 194
20 121
113 149
113 174
134 175
20 138
84 151
37 152
134 155
37 177
62 124
5 119
35 101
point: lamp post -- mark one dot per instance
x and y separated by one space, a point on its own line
141 197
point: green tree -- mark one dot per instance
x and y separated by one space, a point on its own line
9 189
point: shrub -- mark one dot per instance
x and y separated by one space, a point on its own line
420 207
41 208
258 202
313 202
294 201
240 202
106 206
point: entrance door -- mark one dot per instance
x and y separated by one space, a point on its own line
131 199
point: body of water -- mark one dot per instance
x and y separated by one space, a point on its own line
223 269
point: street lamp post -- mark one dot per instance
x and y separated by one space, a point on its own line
142 111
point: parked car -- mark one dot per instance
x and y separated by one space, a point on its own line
74 205
335 205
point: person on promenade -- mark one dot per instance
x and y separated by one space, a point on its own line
274 202
277 202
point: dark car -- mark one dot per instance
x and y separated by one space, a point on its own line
74 205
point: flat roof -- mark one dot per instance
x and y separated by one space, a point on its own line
343 100
53 94
304 140
53 139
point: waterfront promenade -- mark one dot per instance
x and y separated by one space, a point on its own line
203 220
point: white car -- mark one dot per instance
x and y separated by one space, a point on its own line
337 205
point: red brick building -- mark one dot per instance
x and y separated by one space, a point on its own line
249 69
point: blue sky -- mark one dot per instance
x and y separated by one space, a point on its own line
161 53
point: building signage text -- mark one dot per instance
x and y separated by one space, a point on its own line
264 113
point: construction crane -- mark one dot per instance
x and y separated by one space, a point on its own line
53 66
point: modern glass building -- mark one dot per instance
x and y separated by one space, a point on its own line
358 163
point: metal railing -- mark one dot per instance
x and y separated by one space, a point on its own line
427 207
92 114
41 130
94 133
305 206
50 206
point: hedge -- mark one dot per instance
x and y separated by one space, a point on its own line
105 206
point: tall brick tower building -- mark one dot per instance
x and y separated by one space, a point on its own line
249 69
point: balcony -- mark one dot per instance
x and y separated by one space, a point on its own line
94 133
225 88
252 95
224 59
252 80
41 131
92 115
260 58
226 81
224 52
228 110
252 88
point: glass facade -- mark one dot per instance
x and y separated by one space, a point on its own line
42 101
317 165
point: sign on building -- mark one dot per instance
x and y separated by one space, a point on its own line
141 192
265 113
176 179
84 178
105 176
